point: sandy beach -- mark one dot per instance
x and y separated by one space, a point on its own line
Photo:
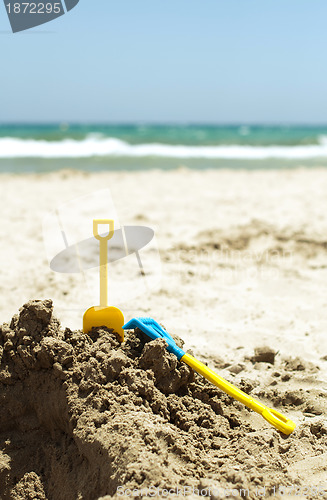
243 265
243 254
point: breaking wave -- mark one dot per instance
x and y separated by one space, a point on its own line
100 146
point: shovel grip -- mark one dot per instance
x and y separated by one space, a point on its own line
278 420
97 222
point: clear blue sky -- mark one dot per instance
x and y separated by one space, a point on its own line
169 61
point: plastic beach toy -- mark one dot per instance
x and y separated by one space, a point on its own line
151 328
103 315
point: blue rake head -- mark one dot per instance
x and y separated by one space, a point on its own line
151 328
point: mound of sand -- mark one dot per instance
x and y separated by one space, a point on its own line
82 415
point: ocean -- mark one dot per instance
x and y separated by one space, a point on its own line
45 148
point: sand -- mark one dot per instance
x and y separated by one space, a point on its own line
243 254
244 265
84 416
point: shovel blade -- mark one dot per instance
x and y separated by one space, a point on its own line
111 317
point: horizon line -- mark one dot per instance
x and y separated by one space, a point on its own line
163 123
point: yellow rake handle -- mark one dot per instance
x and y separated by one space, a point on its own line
103 256
272 416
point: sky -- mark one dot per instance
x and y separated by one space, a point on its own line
169 61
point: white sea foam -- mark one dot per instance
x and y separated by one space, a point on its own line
95 145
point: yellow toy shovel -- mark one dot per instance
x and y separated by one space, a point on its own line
151 328
103 315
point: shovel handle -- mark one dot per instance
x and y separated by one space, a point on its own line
272 416
103 256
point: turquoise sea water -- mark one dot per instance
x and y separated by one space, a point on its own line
43 148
